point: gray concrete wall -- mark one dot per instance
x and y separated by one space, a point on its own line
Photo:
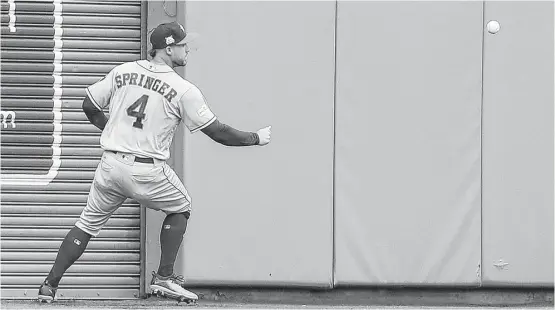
410 146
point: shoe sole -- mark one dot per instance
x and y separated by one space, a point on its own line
164 292
46 299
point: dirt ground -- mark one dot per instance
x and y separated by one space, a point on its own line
336 299
167 304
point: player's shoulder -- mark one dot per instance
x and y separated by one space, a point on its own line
129 64
183 84
125 66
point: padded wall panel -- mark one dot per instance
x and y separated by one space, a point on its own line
408 143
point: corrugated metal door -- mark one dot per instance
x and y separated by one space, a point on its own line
52 50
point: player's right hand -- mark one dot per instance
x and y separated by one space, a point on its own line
264 135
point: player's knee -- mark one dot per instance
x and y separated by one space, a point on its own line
87 227
176 222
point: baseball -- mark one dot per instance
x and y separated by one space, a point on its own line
493 26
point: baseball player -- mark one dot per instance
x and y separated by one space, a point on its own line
147 101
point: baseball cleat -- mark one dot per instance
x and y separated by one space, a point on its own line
171 287
47 293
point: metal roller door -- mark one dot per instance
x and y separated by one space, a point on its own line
51 50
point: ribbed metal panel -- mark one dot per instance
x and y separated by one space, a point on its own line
36 209
52 51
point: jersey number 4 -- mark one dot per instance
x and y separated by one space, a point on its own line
140 104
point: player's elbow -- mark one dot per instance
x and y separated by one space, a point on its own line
94 115
88 107
219 139
225 142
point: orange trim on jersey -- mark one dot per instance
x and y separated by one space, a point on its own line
175 186
137 62
92 99
205 125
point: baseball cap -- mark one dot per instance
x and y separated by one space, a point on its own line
170 33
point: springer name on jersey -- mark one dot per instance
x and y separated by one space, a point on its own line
135 93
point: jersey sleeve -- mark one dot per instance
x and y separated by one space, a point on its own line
194 111
101 91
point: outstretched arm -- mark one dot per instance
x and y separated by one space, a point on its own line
229 136
95 116
198 117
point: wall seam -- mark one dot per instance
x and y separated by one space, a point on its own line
333 284
143 237
481 263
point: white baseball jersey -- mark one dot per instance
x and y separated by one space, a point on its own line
147 102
